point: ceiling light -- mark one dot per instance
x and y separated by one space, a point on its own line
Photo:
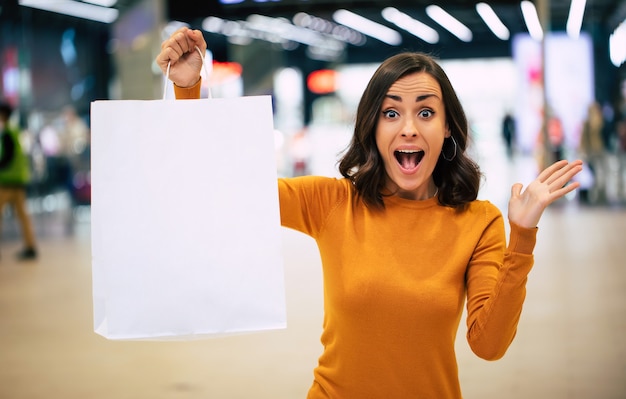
617 45
575 18
340 32
493 22
411 25
102 3
276 30
449 22
532 20
368 27
75 9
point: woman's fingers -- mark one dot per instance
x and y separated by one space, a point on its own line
559 173
565 190
548 172
181 42
171 50
569 173
178 43
516 190
198 40
558 181
179 54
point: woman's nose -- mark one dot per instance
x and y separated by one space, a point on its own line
409 129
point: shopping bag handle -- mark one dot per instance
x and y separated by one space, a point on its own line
167 73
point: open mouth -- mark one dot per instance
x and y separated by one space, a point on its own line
409 159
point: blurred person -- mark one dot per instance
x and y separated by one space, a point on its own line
74 136
546 154
71 164
609 136
14 177
556 137
300 151
593 153
508 133
403 240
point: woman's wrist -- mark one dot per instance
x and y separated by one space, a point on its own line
187 85
522 239
191 92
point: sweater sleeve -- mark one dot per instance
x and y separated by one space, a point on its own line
496 288
188 93
307 201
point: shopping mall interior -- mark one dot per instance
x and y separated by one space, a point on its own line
534 77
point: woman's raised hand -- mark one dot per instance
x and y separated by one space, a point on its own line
179 51
526 208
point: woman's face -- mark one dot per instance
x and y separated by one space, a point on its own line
410 132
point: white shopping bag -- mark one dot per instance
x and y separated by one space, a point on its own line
185 219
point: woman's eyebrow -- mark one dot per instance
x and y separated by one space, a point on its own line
425 97
394 97
417 99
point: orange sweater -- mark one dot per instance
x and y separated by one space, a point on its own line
395 282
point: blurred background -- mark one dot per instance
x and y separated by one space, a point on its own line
540 80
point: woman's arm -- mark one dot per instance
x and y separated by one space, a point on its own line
496 287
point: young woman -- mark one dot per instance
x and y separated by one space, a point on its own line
403 240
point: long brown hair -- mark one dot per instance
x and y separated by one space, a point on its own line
458 180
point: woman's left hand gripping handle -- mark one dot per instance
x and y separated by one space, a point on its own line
185 61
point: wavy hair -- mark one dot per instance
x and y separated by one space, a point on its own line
458 180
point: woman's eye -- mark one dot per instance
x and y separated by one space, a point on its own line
426 113
390 113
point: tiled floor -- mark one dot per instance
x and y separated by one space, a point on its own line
571 341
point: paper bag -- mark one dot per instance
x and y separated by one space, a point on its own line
185 219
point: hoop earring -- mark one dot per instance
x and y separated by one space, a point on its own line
451 157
